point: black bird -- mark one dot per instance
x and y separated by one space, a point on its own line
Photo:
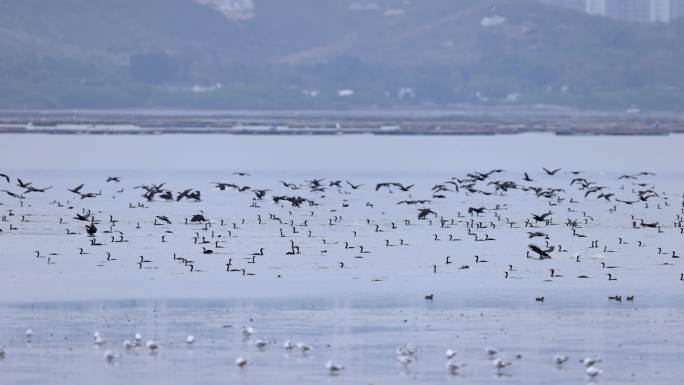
14 195
553 274
476 210
83 217
23 184
76 190
626 202
403 188
88 195
414 202
114 179
542 217
260 194
164 218
551 172
91 229
543 254
142 260
423 213
30 189
198 218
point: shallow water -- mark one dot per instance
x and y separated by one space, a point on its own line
638 345
357 314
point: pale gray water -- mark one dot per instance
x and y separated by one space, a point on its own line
359 311
638 345
338 154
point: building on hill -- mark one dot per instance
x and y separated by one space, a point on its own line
677 8
661 11
576 5
596 7
641 11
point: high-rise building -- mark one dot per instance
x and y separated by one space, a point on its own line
596 7
577 5
618 9
642 11
661 11
631 10
677 9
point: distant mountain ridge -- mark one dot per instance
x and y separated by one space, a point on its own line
312 54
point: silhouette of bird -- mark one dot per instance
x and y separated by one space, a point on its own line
543 254
164 218
76 190
423 213
551 172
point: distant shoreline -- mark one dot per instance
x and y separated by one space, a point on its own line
472 121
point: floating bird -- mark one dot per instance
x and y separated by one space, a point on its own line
109 356
333 367
152 346
593 371
560 360
453 367
500 364
590 361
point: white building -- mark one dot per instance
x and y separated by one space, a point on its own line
642 11
596 7
577 5
675 5
661 11
677 9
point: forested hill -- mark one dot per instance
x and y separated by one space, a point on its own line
313 54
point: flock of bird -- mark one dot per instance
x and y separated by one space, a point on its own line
479 222
405 354
295 218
